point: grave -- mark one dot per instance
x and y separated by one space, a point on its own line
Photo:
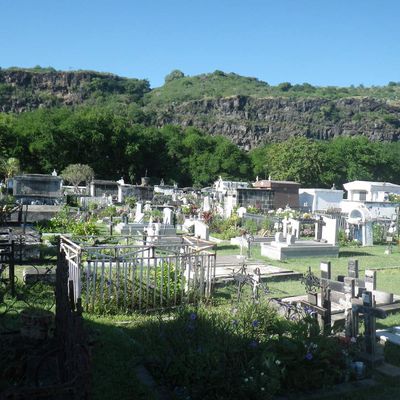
360 222
167 216
37 189
201 230
227 265
324 246
389 335
369 314
343 294
32 275
138 212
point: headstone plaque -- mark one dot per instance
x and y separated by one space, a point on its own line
370 280
352 268
325 268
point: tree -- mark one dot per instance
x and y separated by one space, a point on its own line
77 173
298 159
9 167
173 75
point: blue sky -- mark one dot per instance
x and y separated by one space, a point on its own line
323 42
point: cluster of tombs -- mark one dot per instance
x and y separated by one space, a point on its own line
366 203
341 300
340 303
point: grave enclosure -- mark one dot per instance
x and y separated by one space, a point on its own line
140 274
348 300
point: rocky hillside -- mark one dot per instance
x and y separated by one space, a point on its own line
27 89
248 111
250 122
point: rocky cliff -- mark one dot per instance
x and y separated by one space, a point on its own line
24 90
250 122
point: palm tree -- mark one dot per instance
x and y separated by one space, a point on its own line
9 167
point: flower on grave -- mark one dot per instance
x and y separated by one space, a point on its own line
308 356
255 323
234 311
309 311
108 283
193 316
277 362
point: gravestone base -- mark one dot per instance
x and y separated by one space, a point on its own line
389 370
301 248
32 275
372 360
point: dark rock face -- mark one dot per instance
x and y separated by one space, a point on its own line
250 122
247 121
24 90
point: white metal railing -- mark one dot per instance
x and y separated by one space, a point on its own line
142 276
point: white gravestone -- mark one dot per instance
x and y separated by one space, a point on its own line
201 230
138 213
241 211
206 204
167 216
295 224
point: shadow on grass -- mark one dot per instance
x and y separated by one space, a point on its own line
227 247
353 253
196 355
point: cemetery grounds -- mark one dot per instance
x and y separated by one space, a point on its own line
118 348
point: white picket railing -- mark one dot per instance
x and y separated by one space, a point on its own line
140 275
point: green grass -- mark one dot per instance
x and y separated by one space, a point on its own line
116 352
114 358
388 266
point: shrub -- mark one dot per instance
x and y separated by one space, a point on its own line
247 352
64 222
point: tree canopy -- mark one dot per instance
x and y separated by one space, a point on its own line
77 173
120 141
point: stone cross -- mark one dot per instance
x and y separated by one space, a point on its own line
326 274
318 229
370 313
352 268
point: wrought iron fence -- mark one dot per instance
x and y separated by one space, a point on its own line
40 356
140 273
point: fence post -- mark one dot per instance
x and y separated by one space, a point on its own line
11 267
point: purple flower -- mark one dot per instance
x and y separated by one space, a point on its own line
309 311
234 322
108 283
253 344
255 323
309 356
193 316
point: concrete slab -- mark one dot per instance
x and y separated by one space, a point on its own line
301 248
389 370
389 335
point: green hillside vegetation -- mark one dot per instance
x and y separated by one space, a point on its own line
85 87
110 123
116 141
220 84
